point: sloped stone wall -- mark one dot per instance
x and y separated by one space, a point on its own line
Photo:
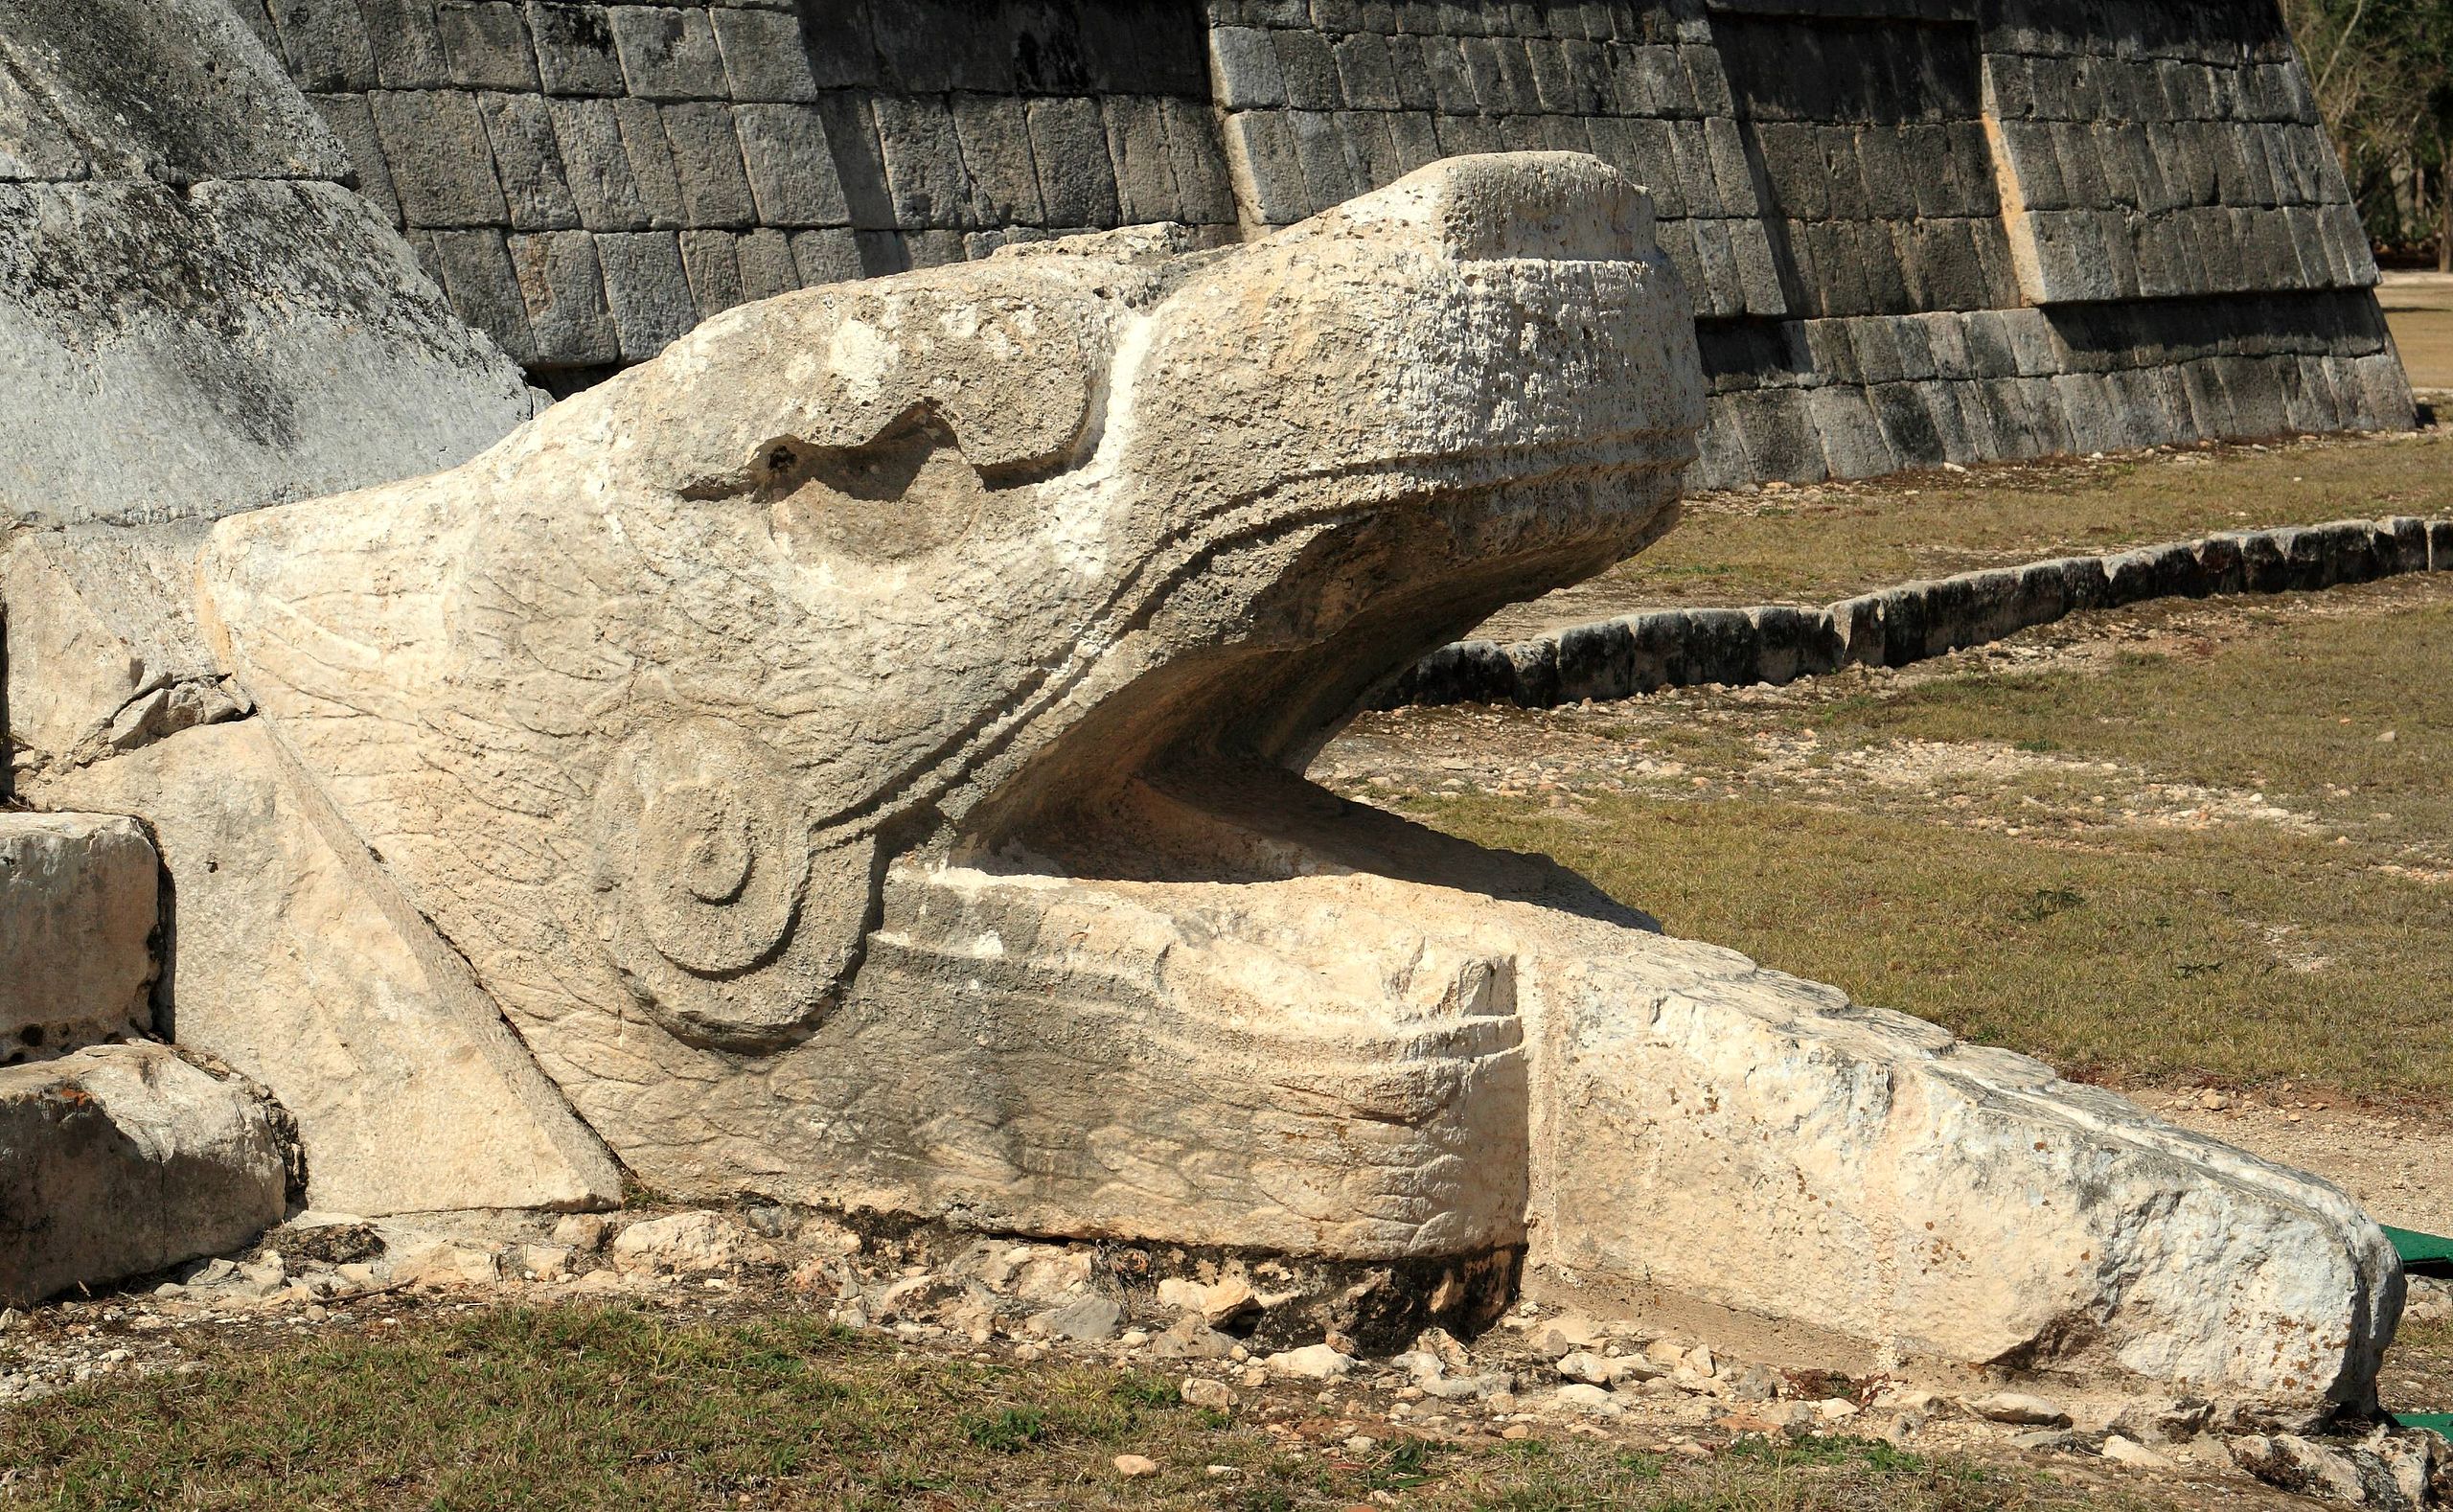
195 316
1916 230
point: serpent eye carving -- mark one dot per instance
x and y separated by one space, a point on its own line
726 925
717 879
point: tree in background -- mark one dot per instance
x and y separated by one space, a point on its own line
2383 75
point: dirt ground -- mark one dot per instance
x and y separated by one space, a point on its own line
2419 310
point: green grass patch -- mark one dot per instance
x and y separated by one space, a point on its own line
617 1408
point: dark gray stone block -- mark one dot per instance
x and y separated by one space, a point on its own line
714 272
924 164
442 167
792 173
478 278
486 45
1719 646
1260 144
1690 157
1309 69
1907 423
1197 155
1070 145
764 58
829 256
1857 625
324 45
1415 138
1494 88
1776 427
604 190
651 166
1535 664
1852 440
1592 661
648 290
353 123
1792 642
1459 135
575 53
842 49
1245 70
520 128
1331 173
931 46
2156 572
408 47
1366 78
706 158
1144 170
993 137
564 291
767 267
667 52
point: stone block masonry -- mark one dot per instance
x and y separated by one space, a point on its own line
1913 231
589 181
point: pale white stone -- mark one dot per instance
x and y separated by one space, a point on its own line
1311 1362
687 1244
1591 1400
1587 1367
2129 1452
1202 1391
2019 1406
297 964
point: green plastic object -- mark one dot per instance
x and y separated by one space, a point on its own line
2417 1248
2440 1422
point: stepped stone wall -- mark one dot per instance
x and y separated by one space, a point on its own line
1915 230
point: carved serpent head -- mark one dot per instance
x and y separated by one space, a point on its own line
649 693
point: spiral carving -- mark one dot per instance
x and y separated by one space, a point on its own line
715 870
706 878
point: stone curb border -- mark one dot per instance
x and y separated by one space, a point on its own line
1778 643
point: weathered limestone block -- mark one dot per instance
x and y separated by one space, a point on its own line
856 751
278 328
1737 1135
102 654
290 961
125 1159
78 909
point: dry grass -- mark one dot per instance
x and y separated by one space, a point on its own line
1813 545
2192 856
613 1407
